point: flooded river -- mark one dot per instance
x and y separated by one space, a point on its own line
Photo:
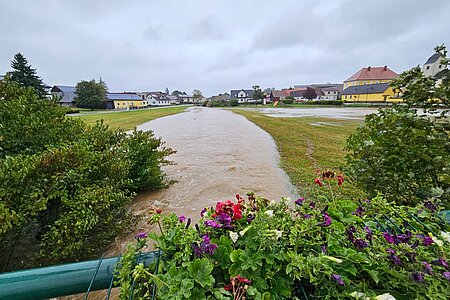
219 154
343 113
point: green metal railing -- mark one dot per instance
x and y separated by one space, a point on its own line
63 280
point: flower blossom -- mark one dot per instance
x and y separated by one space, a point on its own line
212 223
389 237
446 275
427 267
182 218
340 179
234 236
141 235
318 182
427 240
359 211
385 296
202 213
299 201
360 243
417 277
269 213
445 236
338 279
327 221
205 246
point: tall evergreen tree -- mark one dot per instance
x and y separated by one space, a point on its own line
25 75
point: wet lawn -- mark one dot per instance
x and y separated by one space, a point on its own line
306 144
127 120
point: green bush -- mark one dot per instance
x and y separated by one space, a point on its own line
402 155
65 186
234 102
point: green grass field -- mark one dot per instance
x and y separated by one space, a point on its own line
306 144
127 120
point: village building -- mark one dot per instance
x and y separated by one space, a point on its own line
185 99
65 95
370 84
158 99
435 67
242 96
125 101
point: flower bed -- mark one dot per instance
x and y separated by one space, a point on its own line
256 249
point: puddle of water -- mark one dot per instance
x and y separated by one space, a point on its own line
343 113
219 154
324 124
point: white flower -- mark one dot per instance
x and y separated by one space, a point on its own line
358 295
243 231
438 242
234 236
445 236
385 296
337 260
278 234
269 213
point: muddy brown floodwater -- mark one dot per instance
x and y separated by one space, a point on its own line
219 154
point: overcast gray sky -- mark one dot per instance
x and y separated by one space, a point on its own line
215 45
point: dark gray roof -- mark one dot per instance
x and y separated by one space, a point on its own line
63 88
234 93
433 58
442 74
366 89
122 96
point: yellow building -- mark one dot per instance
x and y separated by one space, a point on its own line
370 84
126 101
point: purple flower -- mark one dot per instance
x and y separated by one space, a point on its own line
202 213
206 239
391 251
404 238
417 277
427 240
359 211
350 231
312 204
197 251
369 234
209 248
324 248
182 218
389 237
427 267
212 223
225 220
446 275
440 262
250 218
338 279
395 260
360 243
299 201
141 235
307 216
327 220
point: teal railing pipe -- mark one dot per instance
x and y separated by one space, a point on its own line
62 280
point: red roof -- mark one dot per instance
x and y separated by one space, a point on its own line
373 73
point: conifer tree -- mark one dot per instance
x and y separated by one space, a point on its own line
25 75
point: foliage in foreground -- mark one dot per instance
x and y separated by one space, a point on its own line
256 249
64 186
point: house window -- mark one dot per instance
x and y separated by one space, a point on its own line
440 66
428 67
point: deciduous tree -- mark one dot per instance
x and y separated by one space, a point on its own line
90 94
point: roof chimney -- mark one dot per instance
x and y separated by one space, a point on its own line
385 68
368 69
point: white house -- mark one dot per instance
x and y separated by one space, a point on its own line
158 99
435 68
243 96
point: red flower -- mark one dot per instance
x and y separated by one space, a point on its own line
237 214
158 211
228 287
318 181
242 279
340 179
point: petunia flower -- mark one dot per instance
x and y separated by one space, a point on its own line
318 182
327 221
446 275
299 201
182 218
141 235
385 296
360 243
202 213
359 211
338 279
234 236
307 216
427 268
445 236
417 277
389 237
427 240
212 223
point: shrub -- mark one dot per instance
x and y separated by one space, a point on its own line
402 155
65 186
256 249
234 102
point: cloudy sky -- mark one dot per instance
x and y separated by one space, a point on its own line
218 45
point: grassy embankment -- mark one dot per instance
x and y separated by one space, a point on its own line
306 147
127 120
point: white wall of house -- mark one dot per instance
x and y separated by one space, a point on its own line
433 69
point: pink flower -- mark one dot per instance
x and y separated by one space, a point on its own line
327 220
318 181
